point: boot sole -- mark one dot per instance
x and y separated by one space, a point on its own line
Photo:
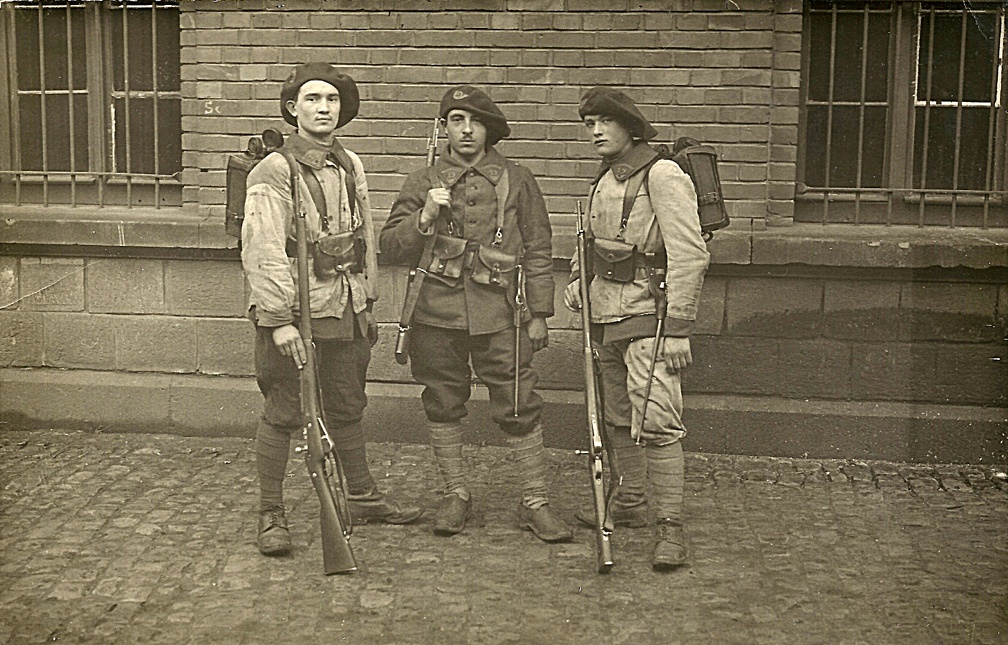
550 540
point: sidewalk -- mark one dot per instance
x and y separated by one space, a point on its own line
133 538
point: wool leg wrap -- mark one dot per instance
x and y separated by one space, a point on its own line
631 465
530 456
446 441
272 447
665 470
355 468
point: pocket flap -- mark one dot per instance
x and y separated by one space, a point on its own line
447 247
337 245
613 251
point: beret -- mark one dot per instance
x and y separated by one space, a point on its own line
347 88
476 101
607 101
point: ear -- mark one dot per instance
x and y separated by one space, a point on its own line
290 107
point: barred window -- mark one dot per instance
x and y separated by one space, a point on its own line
903 113
93 104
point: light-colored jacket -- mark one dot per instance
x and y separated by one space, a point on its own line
269 223
664 212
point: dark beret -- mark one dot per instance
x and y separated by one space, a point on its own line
349 96
606 101
476 101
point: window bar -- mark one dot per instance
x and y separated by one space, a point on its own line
890 192
42 111
956 157
102 163
927 114
70 106
154 86
126 108
995 93
829 113
861 116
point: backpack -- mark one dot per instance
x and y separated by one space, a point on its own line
238 169
699 161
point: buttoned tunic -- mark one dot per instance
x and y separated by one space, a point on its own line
477 308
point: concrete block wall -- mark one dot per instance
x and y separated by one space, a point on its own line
724 73
827 337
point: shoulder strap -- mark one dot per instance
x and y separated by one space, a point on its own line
317 195
501 189
633 186
351 176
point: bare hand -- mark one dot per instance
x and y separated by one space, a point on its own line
288 340
677 354
539 333
372 328
436 198
572 295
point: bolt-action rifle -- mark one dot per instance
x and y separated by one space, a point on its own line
416 275
321 458
596 419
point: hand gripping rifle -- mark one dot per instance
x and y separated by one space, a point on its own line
323 463
596 420
416 275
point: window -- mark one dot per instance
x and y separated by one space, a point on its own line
903 113
94 103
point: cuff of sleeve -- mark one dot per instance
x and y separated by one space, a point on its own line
267 319
409 233
677 327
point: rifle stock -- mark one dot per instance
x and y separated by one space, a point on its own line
321 459
596 421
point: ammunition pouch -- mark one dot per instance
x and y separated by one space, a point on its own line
447 259
494 267
614 260
343 252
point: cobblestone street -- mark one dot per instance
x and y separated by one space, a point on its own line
113 538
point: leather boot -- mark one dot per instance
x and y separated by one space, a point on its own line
273 537
451 515
622 516
544 523
670 546
374 507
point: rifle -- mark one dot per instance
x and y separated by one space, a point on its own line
321 458
412 282
596 420
661 304
519 306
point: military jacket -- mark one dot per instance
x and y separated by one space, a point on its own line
664 214
269 224
526 232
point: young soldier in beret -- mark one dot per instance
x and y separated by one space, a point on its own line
663 221
317 99
467 221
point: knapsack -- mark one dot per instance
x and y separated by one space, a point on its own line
699 161
238 169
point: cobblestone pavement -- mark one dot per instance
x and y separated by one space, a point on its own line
108 538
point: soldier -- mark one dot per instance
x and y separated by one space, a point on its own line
317 99
662 232
467 222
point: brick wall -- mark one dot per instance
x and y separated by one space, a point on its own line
723 72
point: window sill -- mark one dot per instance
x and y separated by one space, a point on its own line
114 226
843 245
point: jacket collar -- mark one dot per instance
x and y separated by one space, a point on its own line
628 163
312 154
491 166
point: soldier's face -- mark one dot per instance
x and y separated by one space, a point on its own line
607 135
317 110
466 134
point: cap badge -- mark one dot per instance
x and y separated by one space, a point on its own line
459 95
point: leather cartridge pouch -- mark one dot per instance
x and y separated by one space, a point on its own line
447 259
343 252
614 259
494 267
